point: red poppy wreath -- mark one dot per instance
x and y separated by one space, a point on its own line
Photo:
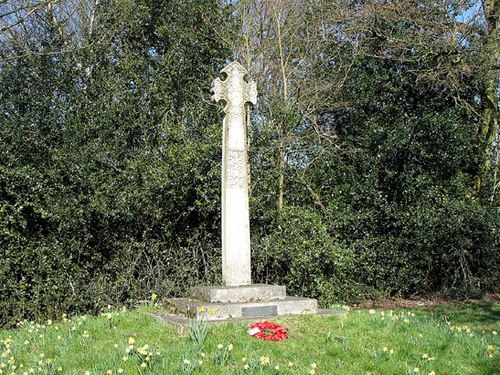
267 331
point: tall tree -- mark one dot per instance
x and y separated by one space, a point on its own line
290 48
381 120
489 128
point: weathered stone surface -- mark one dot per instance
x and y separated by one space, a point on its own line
235 310
244 293
235 92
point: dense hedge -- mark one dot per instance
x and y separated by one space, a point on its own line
108 185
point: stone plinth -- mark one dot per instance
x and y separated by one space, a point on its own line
216 303
210 311
219 303
244 293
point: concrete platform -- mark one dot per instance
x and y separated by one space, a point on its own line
244 293
210 311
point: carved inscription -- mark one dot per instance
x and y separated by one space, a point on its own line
236 168
257 311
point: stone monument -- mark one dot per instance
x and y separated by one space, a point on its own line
238 297
235 92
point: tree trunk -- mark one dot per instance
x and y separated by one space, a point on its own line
489 125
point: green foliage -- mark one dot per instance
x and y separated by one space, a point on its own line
222 354
303 254
198 331
108 180
110 166
413 220
389 172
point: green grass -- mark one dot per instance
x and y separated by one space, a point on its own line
448 339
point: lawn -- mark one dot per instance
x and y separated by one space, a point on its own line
447 339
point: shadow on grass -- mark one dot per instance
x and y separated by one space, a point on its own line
480 315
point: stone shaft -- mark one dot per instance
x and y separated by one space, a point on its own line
235 92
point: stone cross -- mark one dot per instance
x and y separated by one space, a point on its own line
235 92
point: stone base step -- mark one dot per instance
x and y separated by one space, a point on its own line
242 293
210 311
